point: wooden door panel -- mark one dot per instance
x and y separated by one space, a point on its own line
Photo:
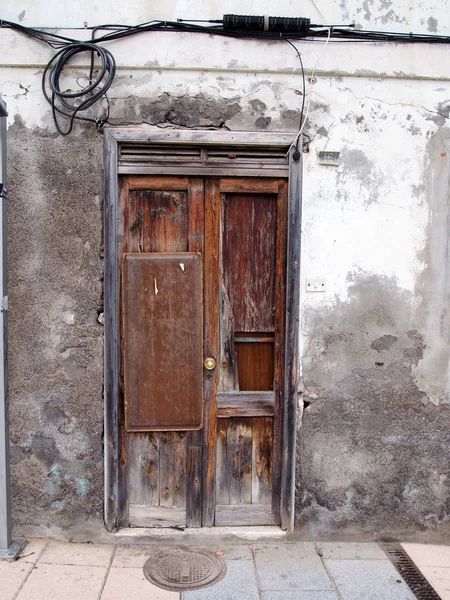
162 333
161 471
251 333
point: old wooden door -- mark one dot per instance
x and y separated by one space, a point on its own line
202 277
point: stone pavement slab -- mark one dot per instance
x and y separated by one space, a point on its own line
439 578
434 562
368 580
350 550
12 576
130 583
90 555
299 596
239 583
131 556
32 550
63 582
429 555
295 566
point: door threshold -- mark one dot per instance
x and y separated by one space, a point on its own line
201 534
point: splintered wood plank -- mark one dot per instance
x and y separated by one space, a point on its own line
222 491
245 404
280 325
211 304
163 373
122 247
250 514
228 361
196 224
172 469
262 461
196 215
194 485
157 516
239 460
249 251
165 221
135 222
143 468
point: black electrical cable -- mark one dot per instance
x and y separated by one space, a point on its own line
303 81
297 152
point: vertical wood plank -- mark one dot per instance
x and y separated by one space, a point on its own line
122 247
280 316
291 345
135 221
172 469
196 214
222 491
196 227
165 221
239 460
194 481
228 379
249 249
114 486
211 304
262 460
143 469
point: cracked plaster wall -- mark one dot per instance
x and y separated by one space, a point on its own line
373 448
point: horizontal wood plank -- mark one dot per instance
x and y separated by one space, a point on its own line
157 182
156 516
125 168
144 134
239 185
245 404
244 514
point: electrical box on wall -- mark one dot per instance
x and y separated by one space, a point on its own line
316 285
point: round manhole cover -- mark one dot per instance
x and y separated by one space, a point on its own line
184 569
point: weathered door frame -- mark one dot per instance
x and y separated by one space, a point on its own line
114 139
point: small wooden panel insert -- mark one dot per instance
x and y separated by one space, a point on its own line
248 514
245 404
162 329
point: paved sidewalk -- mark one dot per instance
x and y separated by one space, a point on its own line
50 570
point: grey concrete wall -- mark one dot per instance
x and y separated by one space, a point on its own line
55 349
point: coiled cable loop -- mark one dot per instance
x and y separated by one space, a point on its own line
70 103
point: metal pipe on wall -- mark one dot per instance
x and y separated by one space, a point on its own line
8 548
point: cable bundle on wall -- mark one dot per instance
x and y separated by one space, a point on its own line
70 104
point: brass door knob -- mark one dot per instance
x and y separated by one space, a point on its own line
209 363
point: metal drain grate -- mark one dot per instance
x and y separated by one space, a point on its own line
417 583
177 569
